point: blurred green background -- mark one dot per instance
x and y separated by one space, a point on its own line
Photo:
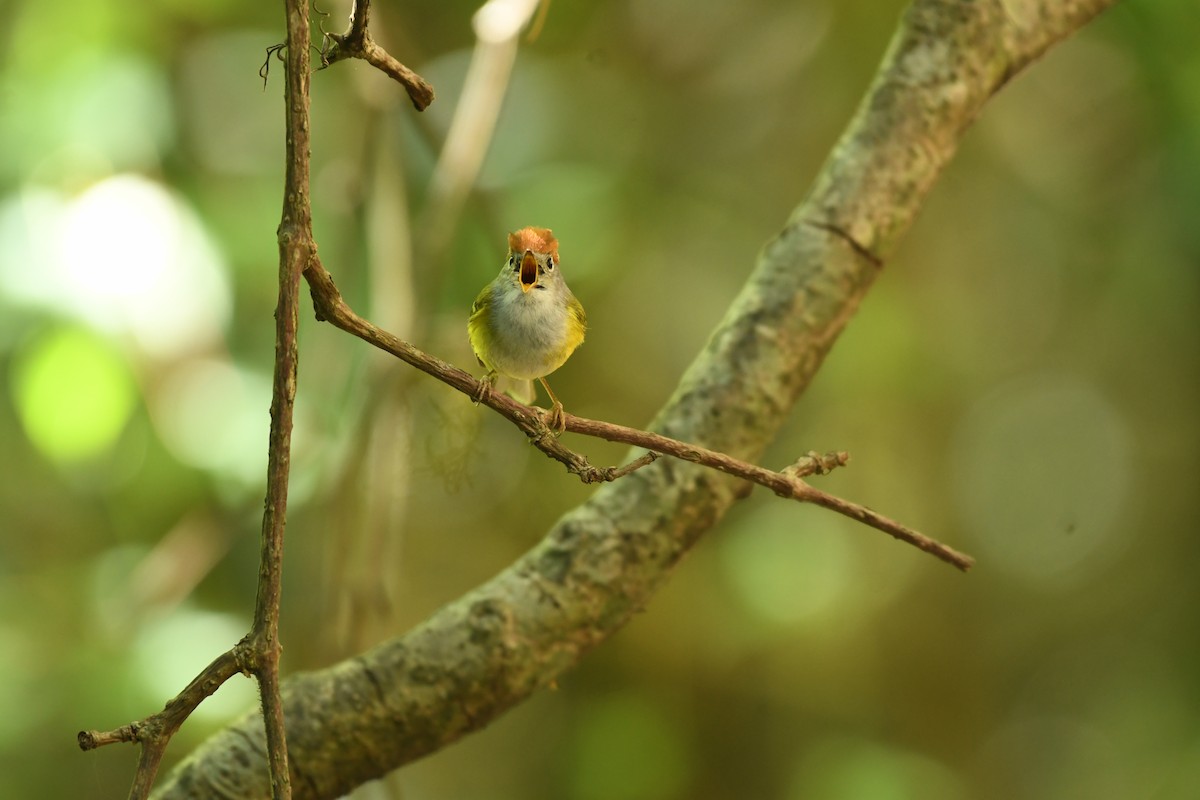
1022 383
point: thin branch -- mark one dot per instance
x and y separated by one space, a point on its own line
331 307
814 463
296 246
644 460
785 483
90 740
356 42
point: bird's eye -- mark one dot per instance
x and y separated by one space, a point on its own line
512 261
549 264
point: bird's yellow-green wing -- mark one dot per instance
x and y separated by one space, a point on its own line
577 328
477 325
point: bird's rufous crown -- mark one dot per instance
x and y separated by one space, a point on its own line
539 240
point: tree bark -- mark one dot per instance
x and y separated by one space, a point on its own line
490 649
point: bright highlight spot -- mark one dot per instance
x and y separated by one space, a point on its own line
73 395
135 258
126 256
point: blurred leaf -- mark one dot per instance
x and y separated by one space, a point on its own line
74 394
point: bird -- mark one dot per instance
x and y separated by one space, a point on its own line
526 323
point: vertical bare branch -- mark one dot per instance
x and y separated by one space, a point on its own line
296 247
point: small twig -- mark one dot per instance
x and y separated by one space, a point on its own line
155 731
814 463
90 740
612 473
356 42
576 463
330 307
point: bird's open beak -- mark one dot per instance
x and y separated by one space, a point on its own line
529 271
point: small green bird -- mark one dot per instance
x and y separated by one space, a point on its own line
526 323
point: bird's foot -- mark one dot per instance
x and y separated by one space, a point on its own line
555 419
486 384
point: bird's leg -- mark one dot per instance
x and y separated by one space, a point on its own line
486 384
555 420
